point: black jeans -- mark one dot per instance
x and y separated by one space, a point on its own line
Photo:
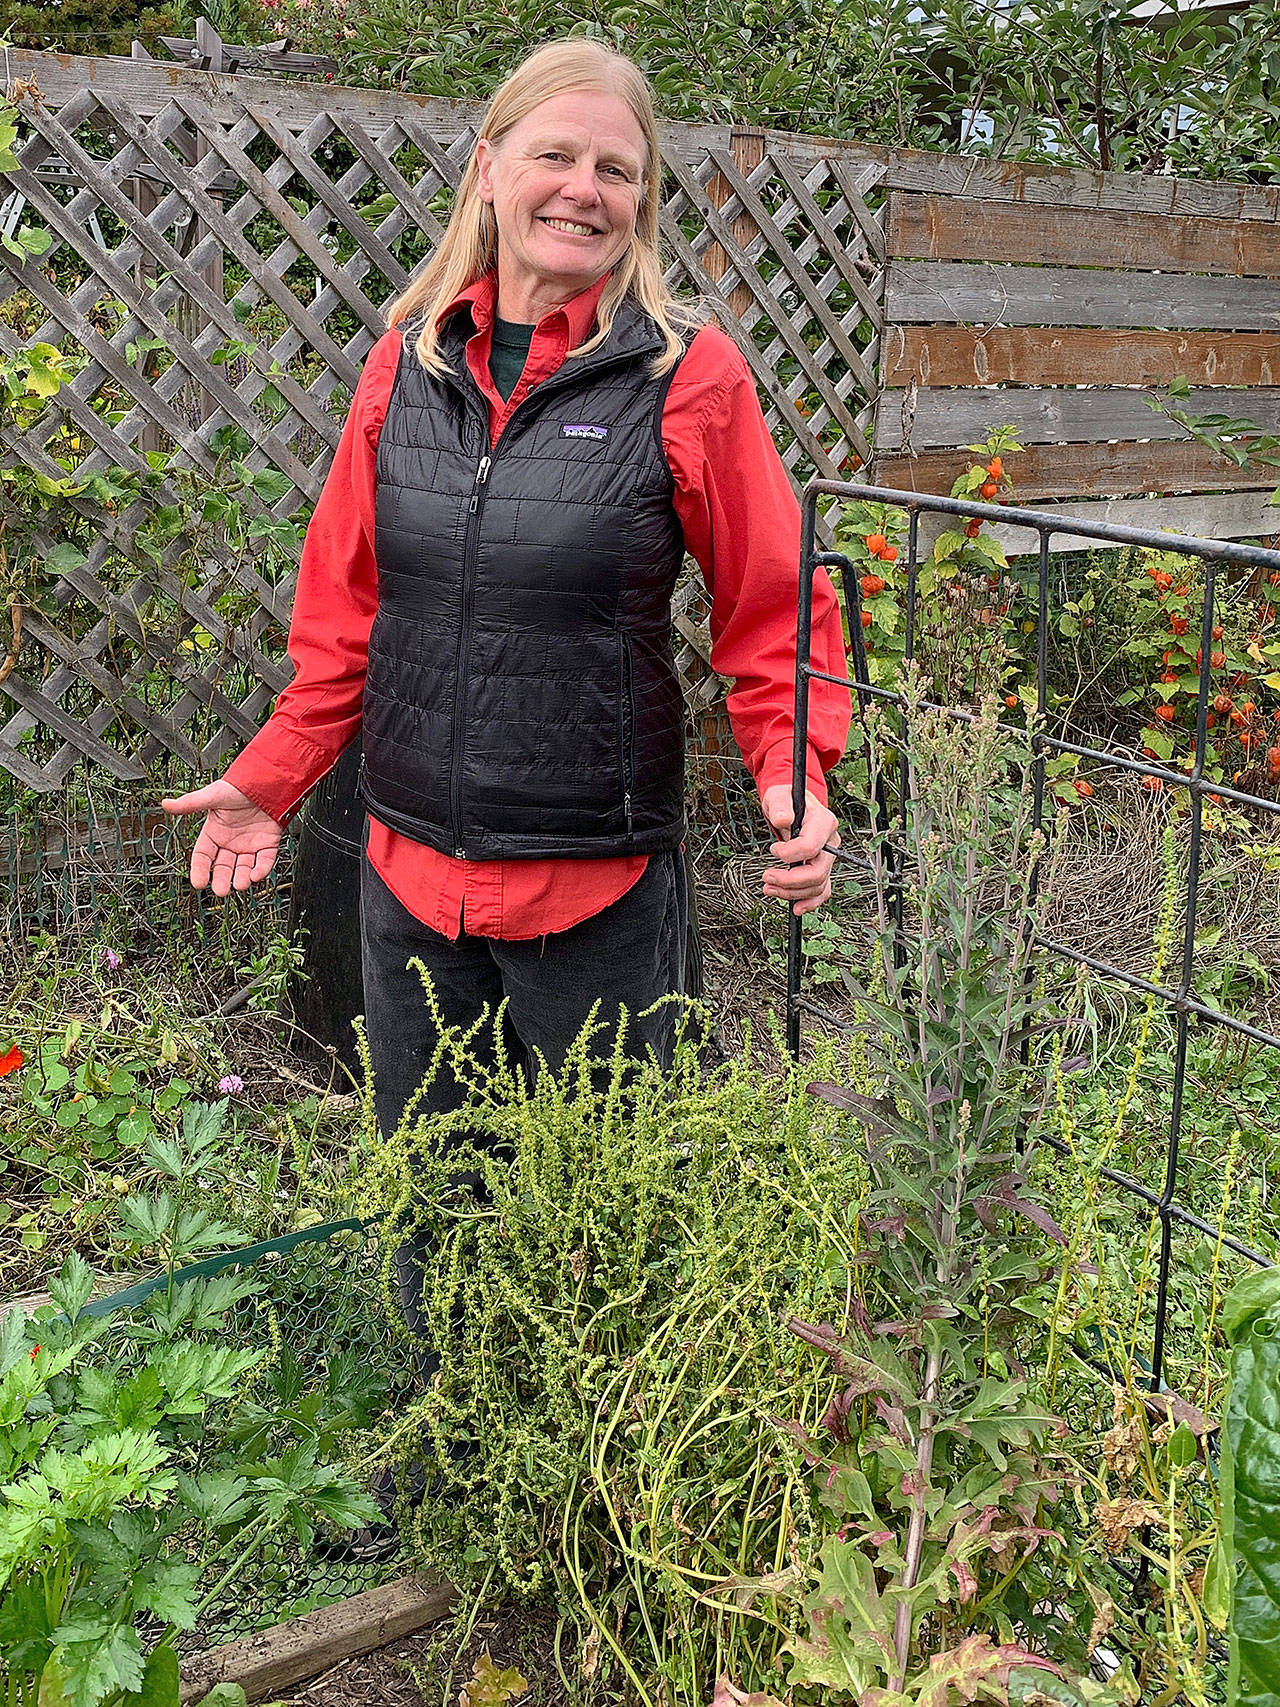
631 955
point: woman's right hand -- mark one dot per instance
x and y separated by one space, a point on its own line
238 843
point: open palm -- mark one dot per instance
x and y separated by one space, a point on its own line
238 841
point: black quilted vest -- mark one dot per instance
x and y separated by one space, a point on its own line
522 700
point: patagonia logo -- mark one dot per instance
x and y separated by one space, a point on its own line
582 430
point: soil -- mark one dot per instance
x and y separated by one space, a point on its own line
427 1670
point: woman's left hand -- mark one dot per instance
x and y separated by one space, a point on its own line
802 877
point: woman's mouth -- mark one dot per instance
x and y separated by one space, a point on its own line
572 227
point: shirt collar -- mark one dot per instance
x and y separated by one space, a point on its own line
574 319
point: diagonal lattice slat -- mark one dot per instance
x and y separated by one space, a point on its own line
218 269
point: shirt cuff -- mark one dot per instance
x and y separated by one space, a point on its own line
775 767
277 770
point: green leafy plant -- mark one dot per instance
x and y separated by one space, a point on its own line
124 1494
609 1425
1250 1473
942 1463
94 1495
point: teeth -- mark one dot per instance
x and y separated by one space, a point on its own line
568 225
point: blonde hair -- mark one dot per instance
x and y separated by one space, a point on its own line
469 246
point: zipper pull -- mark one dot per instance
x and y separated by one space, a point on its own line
482 474
626 806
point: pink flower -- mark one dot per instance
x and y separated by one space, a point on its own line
232 1085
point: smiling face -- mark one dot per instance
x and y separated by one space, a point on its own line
565 185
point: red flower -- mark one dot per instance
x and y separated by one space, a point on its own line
11 1062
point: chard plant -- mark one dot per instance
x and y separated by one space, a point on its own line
1246 1573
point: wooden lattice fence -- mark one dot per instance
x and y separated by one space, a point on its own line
220 251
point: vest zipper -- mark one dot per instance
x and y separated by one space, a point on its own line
626 728
470 551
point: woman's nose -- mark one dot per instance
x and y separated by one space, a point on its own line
580 185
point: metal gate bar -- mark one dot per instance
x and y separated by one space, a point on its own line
1179 998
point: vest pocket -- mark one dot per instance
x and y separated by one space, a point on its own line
626 725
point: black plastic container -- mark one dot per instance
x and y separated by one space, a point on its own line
325 904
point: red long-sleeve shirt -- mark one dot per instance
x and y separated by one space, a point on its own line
741 524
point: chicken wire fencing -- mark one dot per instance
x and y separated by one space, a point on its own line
335 1365
1230 571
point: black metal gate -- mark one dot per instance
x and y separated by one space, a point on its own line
1179 998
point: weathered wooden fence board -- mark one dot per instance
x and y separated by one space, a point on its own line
1070 355
1233 515
1044 416
946 228
1065 187
988 295
1118 470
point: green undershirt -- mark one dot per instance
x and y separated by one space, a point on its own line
507 355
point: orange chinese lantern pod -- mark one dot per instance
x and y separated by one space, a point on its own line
889 554
1083 789
1012 701
995 468
871 585
1210 721
866 619
11 1060
1217 660
875 543
1178 624
973 527
1223 703
989 490
1154 783
1217 631
1166 713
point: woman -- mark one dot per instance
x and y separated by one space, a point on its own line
484 599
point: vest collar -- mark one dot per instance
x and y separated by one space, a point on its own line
632 334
